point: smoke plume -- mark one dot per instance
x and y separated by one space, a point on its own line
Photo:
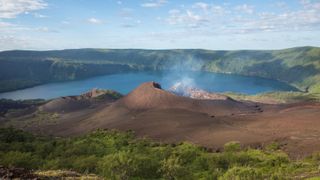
182 73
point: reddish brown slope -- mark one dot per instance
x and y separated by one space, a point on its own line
151 111
150 96
82 102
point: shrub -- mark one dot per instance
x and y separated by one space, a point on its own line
243 173
116 155
172 168
232 146
86 164
20 159
9 135
273 146
124 164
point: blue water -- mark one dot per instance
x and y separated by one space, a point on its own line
126 82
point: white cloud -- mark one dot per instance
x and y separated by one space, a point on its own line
199 15
37 15
281 4
174 11
8 42
154 3
43 29
46 30
126 13
93 20
202 5
131 24
228 19
218 11
245 8
307 18
187 18
5 25
10 28
65 22
209 8
308 4
12 8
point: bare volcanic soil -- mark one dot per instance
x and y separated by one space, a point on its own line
153 112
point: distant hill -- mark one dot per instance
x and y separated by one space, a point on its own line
299 66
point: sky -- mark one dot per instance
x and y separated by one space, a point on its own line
159 24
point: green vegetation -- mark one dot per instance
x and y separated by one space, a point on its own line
299 67
277 97
17 73
63 174
108 93
8 104
115 155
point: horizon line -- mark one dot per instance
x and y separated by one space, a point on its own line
156 49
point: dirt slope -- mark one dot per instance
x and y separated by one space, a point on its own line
150 96
156 113
76 103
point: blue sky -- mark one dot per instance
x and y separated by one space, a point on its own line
158 24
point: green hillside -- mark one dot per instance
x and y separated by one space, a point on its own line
118 155
299 66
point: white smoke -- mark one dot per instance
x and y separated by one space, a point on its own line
182 74
182 85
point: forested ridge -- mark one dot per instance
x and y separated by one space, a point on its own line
299 66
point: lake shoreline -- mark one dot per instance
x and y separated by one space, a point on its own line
209 81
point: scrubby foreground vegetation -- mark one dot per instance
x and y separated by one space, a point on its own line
117 155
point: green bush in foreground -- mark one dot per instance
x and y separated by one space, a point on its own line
117 155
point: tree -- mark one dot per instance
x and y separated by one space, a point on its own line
172 168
